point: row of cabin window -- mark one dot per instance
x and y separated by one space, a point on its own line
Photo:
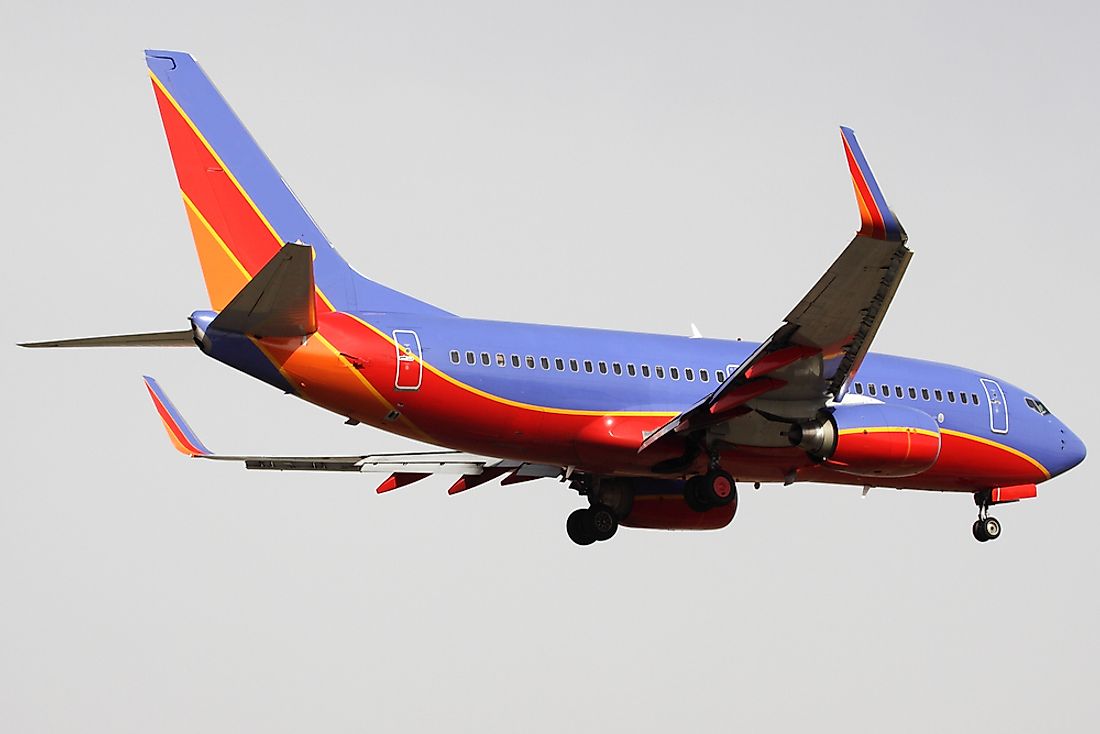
964 398
575 366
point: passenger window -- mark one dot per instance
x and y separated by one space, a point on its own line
454 356
939 396
885 391
950 396
617 368
530 362
659 371
603 367
719 376
974 397
674 373
588 366
897 391
912 393
630 369
704 376
963 398
871 388
924 392
515 360
470 358
645 370
545 362
500 360
559 364
689 374
859 388
485 359
574 366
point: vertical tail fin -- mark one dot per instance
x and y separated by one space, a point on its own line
240 209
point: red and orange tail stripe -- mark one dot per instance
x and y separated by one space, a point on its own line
878 221
183 438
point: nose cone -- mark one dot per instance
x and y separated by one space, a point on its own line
1073 451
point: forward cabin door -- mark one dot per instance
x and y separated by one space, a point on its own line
410 370
998 409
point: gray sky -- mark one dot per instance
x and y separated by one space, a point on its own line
624 165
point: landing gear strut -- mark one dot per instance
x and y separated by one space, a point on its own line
713 489
590 524
985 527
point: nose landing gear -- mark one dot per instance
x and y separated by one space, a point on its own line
985 527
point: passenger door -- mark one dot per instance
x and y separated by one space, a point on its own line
410 370
998 409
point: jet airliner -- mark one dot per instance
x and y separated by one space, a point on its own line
653 431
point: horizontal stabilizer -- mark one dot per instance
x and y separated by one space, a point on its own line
279 301
184 338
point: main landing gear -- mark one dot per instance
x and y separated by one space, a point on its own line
713 489
985 527
590 524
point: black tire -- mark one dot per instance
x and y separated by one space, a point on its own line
979 531
602 522
991 527
578 528
693 494
717 488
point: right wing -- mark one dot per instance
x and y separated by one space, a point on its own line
404 469
813 356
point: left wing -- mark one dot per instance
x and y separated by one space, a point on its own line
404 469
813 356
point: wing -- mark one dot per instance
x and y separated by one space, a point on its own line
813 356
403 468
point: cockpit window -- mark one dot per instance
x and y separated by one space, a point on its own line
1037 406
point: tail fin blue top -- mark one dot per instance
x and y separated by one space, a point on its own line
240 209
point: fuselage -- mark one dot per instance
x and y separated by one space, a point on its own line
586 398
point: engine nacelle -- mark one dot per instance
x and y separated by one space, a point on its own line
871 440
658 504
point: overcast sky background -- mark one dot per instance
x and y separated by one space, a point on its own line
626 165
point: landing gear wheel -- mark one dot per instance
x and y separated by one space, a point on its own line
602 521
718 489
977 530
988 528
991 528
579 529
693 494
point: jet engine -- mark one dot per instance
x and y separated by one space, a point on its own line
659 504
871 440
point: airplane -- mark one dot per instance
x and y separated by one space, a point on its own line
655 431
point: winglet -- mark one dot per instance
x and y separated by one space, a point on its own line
878 221
183 438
